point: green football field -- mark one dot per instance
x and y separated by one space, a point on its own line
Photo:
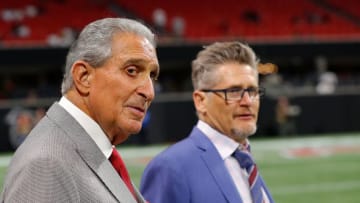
300 169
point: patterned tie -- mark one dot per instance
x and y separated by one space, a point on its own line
119 166
255 181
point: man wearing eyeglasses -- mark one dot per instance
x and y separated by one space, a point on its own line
213 164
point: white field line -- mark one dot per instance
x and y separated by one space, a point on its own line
258 146
141 151
5 160
316 187
300 142
276 144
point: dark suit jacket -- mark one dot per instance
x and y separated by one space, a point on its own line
59 162
189 171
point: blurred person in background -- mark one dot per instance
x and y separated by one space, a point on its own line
108 85
327 80
285 114
143 138
20 121
213 164
159 20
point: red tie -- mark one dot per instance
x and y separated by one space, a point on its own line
255 180
119 166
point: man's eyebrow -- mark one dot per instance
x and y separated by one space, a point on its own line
136 61
156 68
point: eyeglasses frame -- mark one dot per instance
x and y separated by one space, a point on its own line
260 92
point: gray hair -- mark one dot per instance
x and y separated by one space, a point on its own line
211 57
94 43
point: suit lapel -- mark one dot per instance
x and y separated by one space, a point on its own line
106 173
91 154
216 166
138 195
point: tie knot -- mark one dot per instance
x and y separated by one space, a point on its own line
114 153
116 159
244 158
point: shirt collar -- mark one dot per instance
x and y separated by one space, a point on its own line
223 144
90 126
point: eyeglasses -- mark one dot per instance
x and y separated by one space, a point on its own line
236 94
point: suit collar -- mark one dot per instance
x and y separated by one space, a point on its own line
223 144
89 125
215 165
90 153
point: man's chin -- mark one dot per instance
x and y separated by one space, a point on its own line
134 126
244 133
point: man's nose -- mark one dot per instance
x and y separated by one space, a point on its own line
245 98
146 89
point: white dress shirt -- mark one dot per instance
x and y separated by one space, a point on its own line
226 147
89 125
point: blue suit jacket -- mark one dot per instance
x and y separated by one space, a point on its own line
189 171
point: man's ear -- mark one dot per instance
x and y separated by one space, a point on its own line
199 101
82 73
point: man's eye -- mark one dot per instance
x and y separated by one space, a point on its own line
131 70
235 90
252 90
154 75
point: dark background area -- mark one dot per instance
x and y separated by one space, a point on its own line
173 114
298 37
